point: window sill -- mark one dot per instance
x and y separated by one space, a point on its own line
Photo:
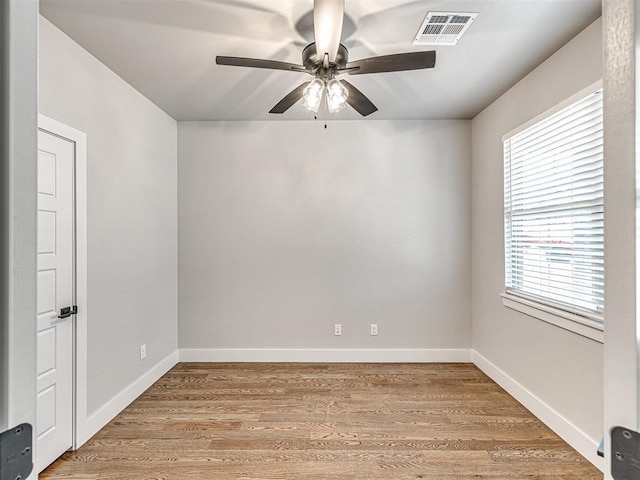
560 318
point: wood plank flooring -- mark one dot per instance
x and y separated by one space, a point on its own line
320 421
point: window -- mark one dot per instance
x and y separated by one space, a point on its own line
553 209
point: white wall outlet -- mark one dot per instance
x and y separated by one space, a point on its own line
374 329
143 351
337 329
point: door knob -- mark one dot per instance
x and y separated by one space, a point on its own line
68 311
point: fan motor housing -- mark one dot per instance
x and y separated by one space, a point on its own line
311 60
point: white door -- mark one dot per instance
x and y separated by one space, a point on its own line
55 291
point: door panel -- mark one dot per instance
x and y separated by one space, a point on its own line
55 291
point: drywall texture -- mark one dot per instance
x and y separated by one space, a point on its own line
287 228
621 108
18 178
561 368
132 212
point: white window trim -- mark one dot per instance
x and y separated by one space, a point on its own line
574 322
594 87
585 324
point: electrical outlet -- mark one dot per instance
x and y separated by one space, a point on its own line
337 329
374 329
143 351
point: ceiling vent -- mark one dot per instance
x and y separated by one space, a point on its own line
443 28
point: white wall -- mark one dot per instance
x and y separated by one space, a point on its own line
287 228
132 213
557 367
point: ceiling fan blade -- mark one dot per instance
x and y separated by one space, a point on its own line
290 100
327 26
393 63
259 63
358 101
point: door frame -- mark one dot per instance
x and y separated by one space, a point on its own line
79 139
621 42
18 159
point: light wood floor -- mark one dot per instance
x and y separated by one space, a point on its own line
318 421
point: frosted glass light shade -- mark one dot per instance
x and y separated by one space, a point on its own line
312 95
337 96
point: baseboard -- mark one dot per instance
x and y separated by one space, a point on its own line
571 434
118 403
304 355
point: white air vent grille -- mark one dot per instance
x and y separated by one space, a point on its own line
443 28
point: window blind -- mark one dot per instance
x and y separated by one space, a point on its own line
554 224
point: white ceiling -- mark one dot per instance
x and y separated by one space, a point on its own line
166 49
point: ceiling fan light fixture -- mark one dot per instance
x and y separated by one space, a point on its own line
312 95
325 58
336 95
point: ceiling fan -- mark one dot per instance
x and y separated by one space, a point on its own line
326 58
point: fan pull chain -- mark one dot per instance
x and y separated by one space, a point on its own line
315 117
